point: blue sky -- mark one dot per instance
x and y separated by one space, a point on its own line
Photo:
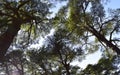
113 4
93 58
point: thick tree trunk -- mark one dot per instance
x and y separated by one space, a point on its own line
17 17
7 38
103 39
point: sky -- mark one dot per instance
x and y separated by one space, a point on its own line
113 4
94 58
91 58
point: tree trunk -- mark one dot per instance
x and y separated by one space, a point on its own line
7 38
67 67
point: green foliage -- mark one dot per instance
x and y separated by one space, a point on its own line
75 18
29 13
74 26
61 17
105 66
57 53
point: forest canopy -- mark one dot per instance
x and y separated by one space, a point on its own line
81 27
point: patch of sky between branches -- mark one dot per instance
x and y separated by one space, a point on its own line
41 40
56 8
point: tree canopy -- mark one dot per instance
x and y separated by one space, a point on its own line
14 14
81 27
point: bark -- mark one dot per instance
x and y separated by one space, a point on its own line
102 38
67 67
7 38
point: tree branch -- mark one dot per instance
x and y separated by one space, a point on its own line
23 3
103 39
